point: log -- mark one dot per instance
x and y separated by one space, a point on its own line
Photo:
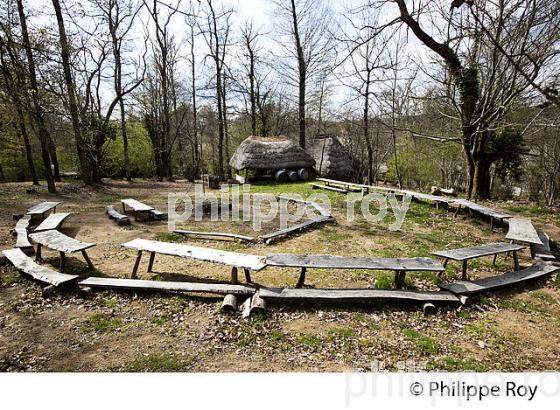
429 309
246 308
48 291
258 305
229 305
85 291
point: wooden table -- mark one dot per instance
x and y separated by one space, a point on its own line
42 208
137 207
57 241
491 249
399 265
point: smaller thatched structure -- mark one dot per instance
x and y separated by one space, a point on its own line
270 153
332 159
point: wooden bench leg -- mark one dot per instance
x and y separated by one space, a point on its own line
136 264
234 280
445 262
491 224
464 275
248 276
38 253
123 209
515 260
456 212
399 279
494 260
151 261
62 261
87 259
301 279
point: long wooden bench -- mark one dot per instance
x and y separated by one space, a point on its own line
399 265
329 188
40 210
273 236
22 239
213 235
542 251
40 273
166 286
490 249
138 208
119 218
57 241
507 279
522 230
52 222
493 214
233 259
356 295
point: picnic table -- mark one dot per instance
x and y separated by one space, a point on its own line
399 265
57 241
42 208
491 249
137 207
233 259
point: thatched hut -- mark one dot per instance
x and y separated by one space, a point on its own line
332 159
270 154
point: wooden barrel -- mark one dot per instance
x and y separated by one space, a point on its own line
292 176
303 174
281 175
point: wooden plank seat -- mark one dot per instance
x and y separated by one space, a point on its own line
357 295
399 265
41 209
233 259
271 237
329 188
364 187
166 286
522 230
493 214
490 249
138 208
507 279
119 218
158 215
542 251
437 200
53 221
40 273
22 239
57 241
215 235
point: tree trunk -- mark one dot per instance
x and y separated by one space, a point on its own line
27 144
481 179
38 112
54 159
302 77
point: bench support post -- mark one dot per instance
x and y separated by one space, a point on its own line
38 253
301 279
87 259
494 260
464 275
62 261
248 276
399 279
151 262
234 280
515 260
136 264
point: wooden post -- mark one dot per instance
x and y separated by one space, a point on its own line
515 260
464 275
445 262
88 260
301 279
62 261
248 275
494 260
234 280
399 279
457 211
38 253
491 224
151 261
136 264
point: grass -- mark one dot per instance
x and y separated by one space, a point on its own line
425 343
557 282
111 303
159 320
519 305
10 278
384 281
104 324
169 237
454 364
341 333
311 341
159 362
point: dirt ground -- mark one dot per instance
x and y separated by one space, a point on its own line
512 330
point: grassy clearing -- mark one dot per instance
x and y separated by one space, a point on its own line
311 341
159 362
426 344
102 323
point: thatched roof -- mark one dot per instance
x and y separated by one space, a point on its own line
270 153
332 159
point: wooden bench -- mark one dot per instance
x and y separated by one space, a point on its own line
57 241
542 251
158 215
522 230
491 249
119 218
233 259
511 278
359 187
40 273
22 239
493 214
53 221
271 237
437 200
213 235
330 188
399 265
137 207
41 209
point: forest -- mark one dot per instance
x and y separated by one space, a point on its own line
456 94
